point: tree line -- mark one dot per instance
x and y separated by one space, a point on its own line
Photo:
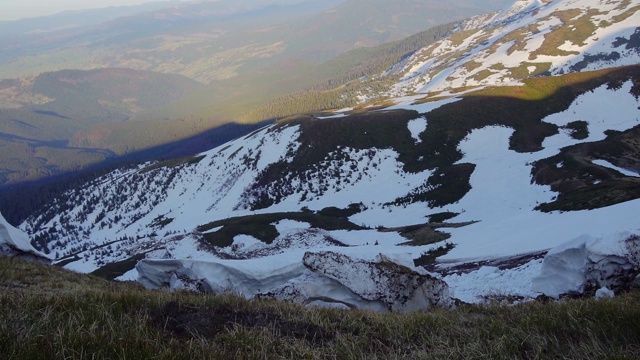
350 77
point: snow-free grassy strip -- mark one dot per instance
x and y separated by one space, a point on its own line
50 313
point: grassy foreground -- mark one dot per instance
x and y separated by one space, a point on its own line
49 313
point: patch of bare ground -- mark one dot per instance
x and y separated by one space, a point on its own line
185 321
425 234
503 263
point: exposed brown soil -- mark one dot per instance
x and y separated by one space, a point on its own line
185 321
501 263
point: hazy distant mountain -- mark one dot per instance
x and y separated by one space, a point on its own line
72 19
209 41
42 118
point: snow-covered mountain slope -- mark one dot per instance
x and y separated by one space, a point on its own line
530 38
471 175
496 176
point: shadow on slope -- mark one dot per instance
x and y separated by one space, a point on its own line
18 201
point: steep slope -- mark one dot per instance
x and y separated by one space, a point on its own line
477 186
376 182
524 40
251 52
530 38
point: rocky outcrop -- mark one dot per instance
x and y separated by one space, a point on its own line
334 279
14 242
588 264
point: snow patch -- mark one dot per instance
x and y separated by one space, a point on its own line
490 282
321 278
381 286
131 275
417 127
604 293
216 277
609 165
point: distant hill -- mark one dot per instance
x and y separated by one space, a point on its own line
250 52
72 19
43 119
210 41
89 116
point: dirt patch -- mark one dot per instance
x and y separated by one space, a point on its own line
187 321
502 264
425 234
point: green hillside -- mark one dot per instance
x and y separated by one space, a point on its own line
44 122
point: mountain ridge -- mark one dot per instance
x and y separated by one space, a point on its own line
511 49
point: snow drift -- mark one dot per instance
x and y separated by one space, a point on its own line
336 279
213 277
14 242
322 278
587 263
